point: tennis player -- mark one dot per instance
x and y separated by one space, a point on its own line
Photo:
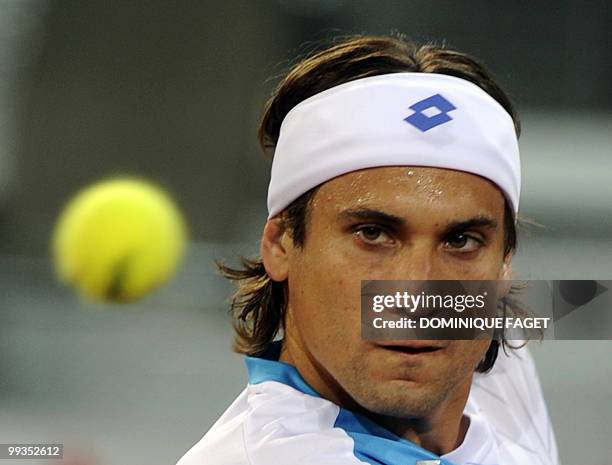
391 161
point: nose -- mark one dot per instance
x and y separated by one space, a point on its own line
417 262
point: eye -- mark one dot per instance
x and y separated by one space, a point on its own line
372 234
463 243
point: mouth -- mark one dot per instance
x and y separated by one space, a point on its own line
414 348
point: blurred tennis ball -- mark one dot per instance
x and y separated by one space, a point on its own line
118 240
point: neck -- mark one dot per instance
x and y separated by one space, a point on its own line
439 432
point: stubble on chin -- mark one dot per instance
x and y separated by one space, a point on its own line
396 397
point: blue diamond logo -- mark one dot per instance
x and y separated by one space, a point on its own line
424 122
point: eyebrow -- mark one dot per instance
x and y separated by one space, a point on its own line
481 221
371 214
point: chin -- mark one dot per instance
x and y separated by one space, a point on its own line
401 409
402 405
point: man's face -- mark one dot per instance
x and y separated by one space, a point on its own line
403 223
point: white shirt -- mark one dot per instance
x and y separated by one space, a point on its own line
279 419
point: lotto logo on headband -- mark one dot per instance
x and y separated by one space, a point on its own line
423 122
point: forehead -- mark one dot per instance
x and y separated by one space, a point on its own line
403 189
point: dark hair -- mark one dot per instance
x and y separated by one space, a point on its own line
259 303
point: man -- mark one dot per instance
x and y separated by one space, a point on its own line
391 161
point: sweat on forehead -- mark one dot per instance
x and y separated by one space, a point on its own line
399 119
408 190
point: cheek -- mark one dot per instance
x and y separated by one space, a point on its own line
468 354
486 266
325 302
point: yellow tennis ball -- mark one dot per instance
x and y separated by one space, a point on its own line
118 239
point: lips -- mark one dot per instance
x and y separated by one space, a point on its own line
414 347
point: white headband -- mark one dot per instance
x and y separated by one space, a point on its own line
400 119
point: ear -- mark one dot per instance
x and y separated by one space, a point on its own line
274 249
505 276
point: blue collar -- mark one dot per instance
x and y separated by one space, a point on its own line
374 444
